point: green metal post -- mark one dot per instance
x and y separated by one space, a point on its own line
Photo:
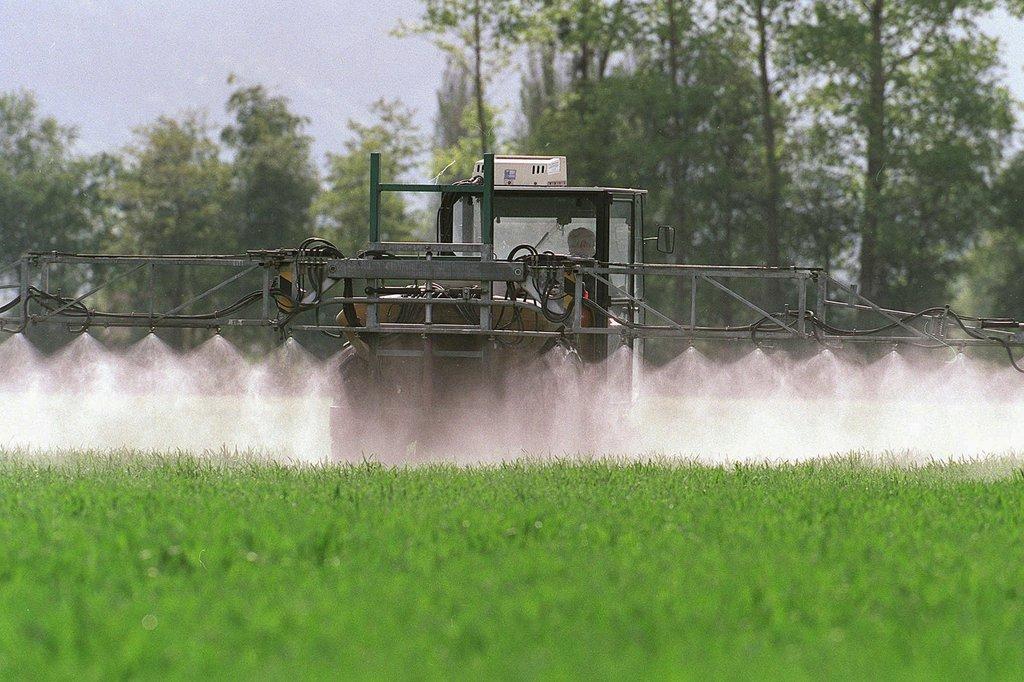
23 292
374 197
487 205
801 304
487 237
821 307
371 310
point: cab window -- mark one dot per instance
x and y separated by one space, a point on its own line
620 233
564 225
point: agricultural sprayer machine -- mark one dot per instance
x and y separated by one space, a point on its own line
520 264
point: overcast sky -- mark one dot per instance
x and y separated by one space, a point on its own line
109 65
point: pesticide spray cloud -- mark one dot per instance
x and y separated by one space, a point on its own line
150 397
764 405
777 407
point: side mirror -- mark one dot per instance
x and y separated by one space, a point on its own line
666 239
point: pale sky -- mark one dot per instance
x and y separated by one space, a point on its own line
106 66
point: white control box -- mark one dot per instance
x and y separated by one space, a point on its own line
527 171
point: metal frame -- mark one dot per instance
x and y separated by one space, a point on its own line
34 271
433 261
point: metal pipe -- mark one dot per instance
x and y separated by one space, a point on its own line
577 311
447 189
401 300
646 307
23 292
858 306
265 294
821 310
428 311
214 260
487 206
209 291
739 335
83 296
419 247
693 303
674 270
887 315
801 304
754 306
487 237
375 197
152 289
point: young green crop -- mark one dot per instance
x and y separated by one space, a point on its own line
132 565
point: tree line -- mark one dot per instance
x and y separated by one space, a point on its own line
872 137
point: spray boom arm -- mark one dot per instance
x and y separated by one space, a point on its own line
287 287
288 290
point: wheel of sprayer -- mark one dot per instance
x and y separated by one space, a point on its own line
352 411
407 410
373 416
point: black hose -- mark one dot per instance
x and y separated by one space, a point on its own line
348 309
444 209
974 334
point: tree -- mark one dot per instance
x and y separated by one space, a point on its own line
763 16
767 22
996 264
572 46
912 81
657 95
471 33
174 190
540 86
456 147
454 97
591 33
822 204
275 180
50 199
343 210
174 196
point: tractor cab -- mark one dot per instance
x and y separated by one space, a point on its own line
595 223
534 211
534 206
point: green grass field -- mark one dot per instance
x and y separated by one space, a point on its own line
144 567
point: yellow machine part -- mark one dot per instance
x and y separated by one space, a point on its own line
286 285
415 313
